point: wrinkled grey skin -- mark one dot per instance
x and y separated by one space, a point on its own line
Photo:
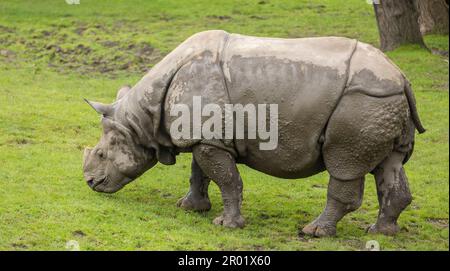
343 107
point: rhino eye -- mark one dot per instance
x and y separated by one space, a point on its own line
100 154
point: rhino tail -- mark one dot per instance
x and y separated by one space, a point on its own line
412 107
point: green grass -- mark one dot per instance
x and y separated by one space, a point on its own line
44 126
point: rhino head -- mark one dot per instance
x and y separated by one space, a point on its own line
118 158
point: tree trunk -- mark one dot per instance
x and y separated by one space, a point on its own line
433 16
397 23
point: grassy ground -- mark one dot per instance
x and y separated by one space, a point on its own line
53 54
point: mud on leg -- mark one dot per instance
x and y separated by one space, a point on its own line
221 167
393 193
197 198
343 197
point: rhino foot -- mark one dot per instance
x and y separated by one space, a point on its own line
230 221
318 229
191 204
386 229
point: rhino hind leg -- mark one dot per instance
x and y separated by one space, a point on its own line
393 193
197 198
392 184
343 197
362 131
221 167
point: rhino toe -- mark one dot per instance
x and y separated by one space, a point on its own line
386 229
317 229
230 222
190 204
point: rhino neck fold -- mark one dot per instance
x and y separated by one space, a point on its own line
137 118
143 108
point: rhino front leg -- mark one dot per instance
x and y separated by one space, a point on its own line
343 197
197 198
221 167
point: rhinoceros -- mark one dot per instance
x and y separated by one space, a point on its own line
343 107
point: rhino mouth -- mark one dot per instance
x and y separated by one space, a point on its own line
105 185
93 184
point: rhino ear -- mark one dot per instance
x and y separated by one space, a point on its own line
103 109
165 156
122 92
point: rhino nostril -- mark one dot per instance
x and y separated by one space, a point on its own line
90 183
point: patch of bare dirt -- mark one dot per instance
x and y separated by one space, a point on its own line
439 222
78 233
19 246
220 17
5 29
9 55
82 48
442 53
256 17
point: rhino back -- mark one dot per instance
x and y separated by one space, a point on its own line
373 73
305 77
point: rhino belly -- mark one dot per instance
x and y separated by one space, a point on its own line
305 78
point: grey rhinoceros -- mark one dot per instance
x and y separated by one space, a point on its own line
343 107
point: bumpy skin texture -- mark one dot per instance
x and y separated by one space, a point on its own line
343 107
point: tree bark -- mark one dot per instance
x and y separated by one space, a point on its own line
433 16
397 23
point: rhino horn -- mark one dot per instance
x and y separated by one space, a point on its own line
104 109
